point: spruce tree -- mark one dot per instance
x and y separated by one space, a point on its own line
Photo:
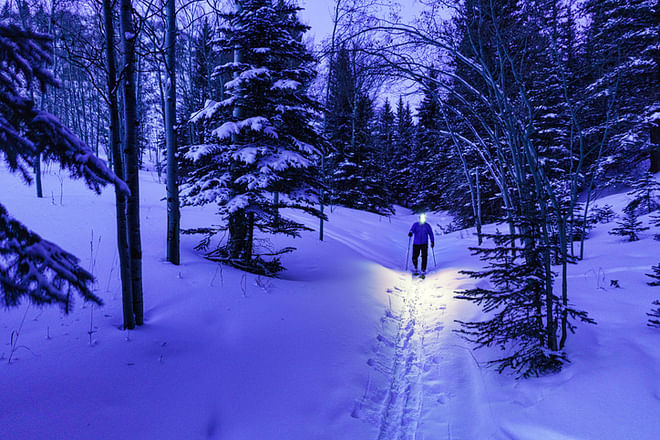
431 153
655 221
645 192
404 180
604 214
654 320
355 179
384 148
517 321
29 265
630 226
263 158
622 55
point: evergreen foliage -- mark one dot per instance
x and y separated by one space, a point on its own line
516 305
29 265
645 192
430 157
655 221
622 52
655 275
630 226
356 155
604 214
654 320
404 178
654 315
263 157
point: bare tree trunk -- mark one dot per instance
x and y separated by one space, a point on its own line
37 161
249 239
564 282
128 37
173 213
37 176
115 142
654 153
161 94
478 216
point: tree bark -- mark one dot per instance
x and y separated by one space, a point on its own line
173 212
237 221
131 155
654 152
478 216
37 175
118 163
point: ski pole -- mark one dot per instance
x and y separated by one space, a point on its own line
408 253
435 263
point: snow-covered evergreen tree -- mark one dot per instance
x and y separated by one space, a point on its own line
655 221
404 181
29 265
604 214
654 315
430 156
645 192
622 53
384 147
629 226
516 305
356 179
264 157
552 33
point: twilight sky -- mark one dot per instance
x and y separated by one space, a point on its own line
318 15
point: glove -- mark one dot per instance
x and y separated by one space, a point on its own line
409 234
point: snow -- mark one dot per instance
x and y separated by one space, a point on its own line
344 345
210 109
257 123
248 75
286 84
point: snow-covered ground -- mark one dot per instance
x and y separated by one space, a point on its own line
344 345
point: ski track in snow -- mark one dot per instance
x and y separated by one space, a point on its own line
419 382
394 395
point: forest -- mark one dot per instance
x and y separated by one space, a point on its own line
511 117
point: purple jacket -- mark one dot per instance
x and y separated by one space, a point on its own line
421 233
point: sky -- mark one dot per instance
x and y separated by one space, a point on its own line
318 15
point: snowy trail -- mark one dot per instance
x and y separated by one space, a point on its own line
421 386
424 382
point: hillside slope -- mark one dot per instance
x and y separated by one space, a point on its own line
344 345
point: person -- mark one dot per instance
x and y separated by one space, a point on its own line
422 232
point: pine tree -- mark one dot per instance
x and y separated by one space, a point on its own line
356 179
655 221
654 320
373 195
404 181
29 265
603 214
516 304
431 152
264 157
384 148
629 227
655 275
645 191
622 53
